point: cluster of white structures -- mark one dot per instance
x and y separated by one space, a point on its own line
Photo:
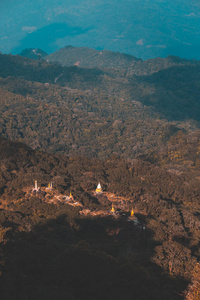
98 190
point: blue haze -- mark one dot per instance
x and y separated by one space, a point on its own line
143 28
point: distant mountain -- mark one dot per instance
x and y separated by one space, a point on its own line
33 53
84 57
91 58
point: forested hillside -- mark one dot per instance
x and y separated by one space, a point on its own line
133 128
53 250
94 112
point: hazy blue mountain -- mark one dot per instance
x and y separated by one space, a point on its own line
144 29
33 53
90 58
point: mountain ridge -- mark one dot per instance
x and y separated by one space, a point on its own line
81 56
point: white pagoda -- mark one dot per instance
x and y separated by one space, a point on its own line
99 188
36 186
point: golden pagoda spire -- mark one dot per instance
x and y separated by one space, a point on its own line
50 185
113 209
132 212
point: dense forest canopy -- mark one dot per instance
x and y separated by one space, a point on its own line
97 112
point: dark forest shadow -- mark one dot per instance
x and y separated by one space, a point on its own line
89 258
176 91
